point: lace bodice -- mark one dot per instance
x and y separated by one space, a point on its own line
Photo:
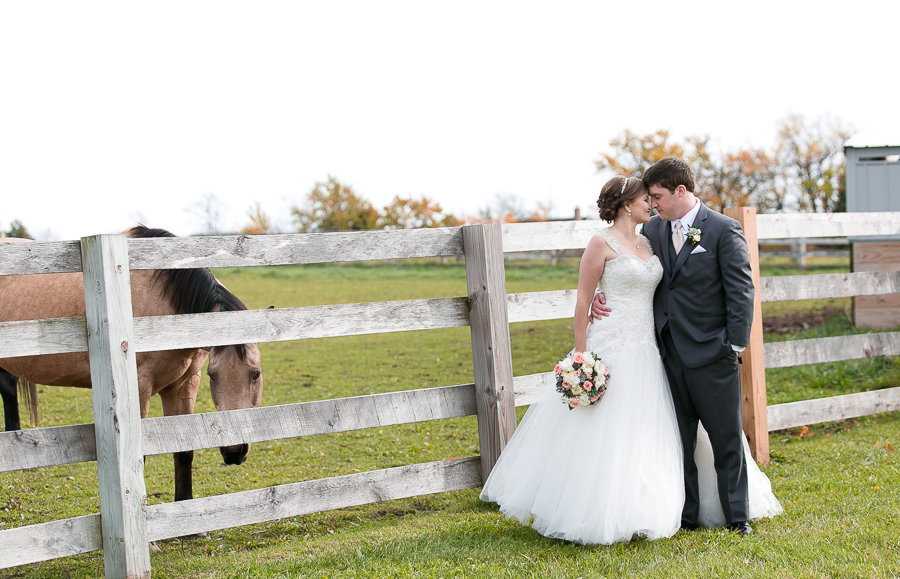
629 284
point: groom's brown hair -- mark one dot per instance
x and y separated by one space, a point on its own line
669 173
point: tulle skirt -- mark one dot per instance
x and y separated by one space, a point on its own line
763 503
599 474
606 473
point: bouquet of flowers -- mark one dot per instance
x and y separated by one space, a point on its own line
581 379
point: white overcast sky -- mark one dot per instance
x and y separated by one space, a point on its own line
112 113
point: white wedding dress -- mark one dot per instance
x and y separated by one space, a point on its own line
602 474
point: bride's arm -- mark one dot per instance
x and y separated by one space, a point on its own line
592 261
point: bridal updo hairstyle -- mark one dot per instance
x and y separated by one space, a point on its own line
613 197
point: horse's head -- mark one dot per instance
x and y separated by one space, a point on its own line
235 381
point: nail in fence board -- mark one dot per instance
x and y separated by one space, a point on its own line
120 459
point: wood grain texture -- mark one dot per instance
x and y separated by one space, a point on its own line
40 257
251 326
533 306
117 417
752 369
833 408
549 235
40 447
876 256
45 541
62 335
297 248
819 350
51 336
831 285
193 431
491 349
799 225
290 500
37 447
530 387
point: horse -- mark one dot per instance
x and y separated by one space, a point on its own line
11 388
235 372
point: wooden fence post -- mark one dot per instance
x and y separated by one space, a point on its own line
117 415
491 353
753 369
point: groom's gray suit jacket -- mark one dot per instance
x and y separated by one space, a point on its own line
705 297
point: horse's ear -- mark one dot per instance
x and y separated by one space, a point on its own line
270 308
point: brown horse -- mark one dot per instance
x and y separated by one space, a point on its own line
235 373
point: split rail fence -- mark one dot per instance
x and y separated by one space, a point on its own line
118 439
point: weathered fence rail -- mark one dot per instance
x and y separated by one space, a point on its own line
487 310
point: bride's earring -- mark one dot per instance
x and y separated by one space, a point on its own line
629 211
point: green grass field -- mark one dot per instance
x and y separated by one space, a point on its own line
839 486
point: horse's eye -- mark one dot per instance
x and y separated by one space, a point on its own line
255 376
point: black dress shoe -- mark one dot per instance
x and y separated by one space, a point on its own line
688 527
742 528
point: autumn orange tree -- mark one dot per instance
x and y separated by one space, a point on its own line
410 213
805 173
259 221
333 206
811 160
633 154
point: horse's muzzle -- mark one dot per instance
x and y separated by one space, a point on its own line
236 454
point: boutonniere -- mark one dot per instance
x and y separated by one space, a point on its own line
694 235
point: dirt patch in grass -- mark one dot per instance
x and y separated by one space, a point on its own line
797 322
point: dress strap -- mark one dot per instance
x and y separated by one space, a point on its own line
647 241
607 234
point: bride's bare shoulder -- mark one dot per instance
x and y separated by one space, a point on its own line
600 247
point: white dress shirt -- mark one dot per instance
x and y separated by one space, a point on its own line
687 221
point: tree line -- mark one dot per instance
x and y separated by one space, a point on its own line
803 172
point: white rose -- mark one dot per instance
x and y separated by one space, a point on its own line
576 390
588 360
566 365
585 399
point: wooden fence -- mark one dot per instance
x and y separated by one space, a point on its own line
118 439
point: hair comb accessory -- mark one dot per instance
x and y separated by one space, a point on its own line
624 184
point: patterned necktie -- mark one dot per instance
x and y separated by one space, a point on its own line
677 240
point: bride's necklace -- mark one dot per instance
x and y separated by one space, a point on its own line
636 244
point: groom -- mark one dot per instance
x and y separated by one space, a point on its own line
702 309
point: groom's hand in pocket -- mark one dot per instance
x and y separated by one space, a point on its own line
598 307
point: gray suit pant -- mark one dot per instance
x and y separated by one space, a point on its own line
712 395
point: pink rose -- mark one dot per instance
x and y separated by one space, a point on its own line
574 402
605 371
557 370
578 372
578 358
595 398
566 385
588 385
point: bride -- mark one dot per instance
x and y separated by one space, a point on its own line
602 474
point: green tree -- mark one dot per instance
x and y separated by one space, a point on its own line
409 213
17 229
333 206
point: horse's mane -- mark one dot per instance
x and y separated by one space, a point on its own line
192 291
